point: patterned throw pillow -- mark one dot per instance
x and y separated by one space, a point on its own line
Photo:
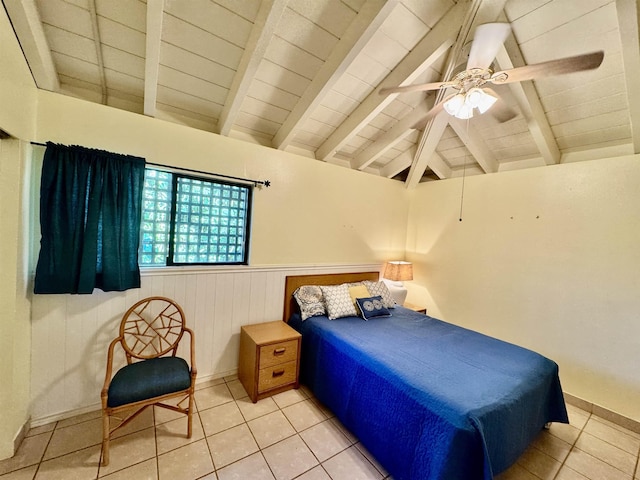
372 307
379 288
310 301
338 301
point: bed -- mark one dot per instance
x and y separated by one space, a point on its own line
430 400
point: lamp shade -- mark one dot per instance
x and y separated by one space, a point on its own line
398 271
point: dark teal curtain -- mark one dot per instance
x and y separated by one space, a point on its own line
90 207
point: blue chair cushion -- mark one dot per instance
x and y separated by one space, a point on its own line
148 379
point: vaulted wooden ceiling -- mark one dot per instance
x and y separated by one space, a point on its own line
304 75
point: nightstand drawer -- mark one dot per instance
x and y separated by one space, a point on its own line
277 375
277 353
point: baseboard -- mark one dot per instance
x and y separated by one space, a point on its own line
602 412
22 433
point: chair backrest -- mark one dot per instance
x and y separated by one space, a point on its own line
151 328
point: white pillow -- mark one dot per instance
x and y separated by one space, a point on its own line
379 288
310 301
338 301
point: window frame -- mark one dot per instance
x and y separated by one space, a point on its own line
171 244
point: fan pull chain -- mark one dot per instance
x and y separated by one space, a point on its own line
464 172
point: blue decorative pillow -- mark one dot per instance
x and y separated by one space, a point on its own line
372 307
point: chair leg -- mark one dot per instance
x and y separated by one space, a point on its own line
105 439
190 416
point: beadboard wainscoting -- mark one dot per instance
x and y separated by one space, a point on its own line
71 333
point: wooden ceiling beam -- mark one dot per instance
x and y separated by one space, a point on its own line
398 164
263 29
525 93
155 13
362 28
426 152
432 46
629 21
467 133
28 28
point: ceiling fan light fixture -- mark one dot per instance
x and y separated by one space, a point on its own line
480 99
459 107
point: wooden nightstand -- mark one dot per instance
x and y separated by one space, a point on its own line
416 308
269 358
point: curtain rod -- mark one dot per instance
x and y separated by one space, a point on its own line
266 183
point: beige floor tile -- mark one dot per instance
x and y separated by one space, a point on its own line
371 459
253 467
516 472
565 432
252 410
325 440
289 397
231 445
620 437
172 435
49 427
79 465
79 419
75 437
147 470
270 428
351 465
217 419
230 378
210 383
163 415
303 415
130 450
29 453
345 431
289 458
22 474
552 445
316 473
186 463
236 389
142 421
212 396
592 467
607 453
540 464
567 473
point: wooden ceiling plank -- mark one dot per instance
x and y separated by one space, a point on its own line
628 21
351 44
398 164
254 51
466 131
525 93
426 52
387 140
30 33
155 14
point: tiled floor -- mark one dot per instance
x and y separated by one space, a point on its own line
284 437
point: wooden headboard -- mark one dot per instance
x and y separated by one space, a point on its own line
292 282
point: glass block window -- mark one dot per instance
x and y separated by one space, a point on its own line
189 220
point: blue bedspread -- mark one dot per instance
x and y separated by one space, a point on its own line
428 399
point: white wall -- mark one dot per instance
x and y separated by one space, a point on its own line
547 258
315 217
17 117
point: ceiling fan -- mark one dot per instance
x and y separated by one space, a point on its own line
470 85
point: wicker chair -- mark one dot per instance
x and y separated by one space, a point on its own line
150 332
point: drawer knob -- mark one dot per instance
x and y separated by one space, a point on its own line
277 373
279 351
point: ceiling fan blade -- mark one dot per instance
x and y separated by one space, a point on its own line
500 110
588 61
487 40
420 124
415 88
